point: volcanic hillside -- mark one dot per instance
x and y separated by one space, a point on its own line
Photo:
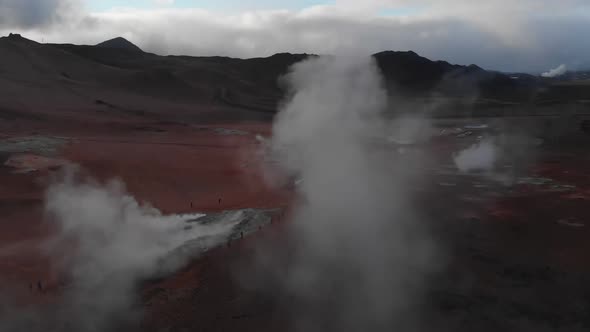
118 76
120 43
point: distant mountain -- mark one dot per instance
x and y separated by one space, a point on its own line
118 72
406 73
120 43
116 52
410 73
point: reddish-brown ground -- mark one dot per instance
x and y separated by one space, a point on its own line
511 262
555 223
512 251
214 294
173 169
176 168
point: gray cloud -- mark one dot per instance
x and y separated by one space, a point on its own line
33 13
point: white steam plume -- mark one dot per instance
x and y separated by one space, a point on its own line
555 72
360 250
480 156
106 244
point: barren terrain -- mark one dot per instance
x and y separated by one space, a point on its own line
516 252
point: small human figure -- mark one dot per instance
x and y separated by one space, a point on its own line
191 205
242 235
39 286
219 200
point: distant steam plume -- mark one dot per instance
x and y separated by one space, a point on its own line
555 72
480 156
360 250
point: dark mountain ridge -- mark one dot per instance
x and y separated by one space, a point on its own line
405 72
120 43
254 83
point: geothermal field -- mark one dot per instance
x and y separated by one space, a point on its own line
141 192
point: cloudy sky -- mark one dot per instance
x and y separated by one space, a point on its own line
508 35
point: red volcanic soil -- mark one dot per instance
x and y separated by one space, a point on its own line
173 169
23 230
176 168
551 221
219 292
29 163
513 252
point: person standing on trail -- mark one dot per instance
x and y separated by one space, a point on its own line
39 286
219 200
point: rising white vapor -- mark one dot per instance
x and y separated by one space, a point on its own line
555 72
106 243
481 156
360 250
116 242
